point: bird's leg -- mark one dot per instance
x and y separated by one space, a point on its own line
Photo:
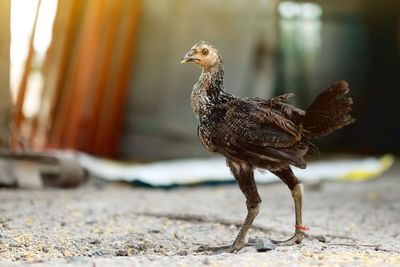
296 187
252 211
244 176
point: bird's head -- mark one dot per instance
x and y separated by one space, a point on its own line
203 54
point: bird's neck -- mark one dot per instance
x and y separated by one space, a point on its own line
212 80
208 90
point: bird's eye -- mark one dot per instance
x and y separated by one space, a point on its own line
205 51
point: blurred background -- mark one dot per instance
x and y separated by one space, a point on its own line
103 76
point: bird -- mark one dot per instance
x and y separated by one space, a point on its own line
266 134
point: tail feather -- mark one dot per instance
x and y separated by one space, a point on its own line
329 111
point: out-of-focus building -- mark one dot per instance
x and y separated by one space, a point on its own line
113 85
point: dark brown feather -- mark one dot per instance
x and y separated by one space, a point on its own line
255 133
269 134
329 111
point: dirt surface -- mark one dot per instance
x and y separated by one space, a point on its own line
104 224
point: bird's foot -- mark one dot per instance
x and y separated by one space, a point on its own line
235 247
319 238
296 239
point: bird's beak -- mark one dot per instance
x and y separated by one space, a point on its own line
188 57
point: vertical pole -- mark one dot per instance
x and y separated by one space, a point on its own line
5 96
27 69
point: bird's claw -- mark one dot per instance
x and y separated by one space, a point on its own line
235 247
320 238
296 239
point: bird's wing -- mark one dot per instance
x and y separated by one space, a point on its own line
280 103
262 133
260 125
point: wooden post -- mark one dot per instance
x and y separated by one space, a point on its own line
5 97
19 116
114 120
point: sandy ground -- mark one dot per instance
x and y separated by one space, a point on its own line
104 224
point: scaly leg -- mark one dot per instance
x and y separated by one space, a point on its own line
244 176
296 187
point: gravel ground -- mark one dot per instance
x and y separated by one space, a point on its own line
104 224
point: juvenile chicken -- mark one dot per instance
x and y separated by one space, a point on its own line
256 133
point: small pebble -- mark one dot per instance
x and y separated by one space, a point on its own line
90 221
96 254
264 244
95 242
183 253
121 253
